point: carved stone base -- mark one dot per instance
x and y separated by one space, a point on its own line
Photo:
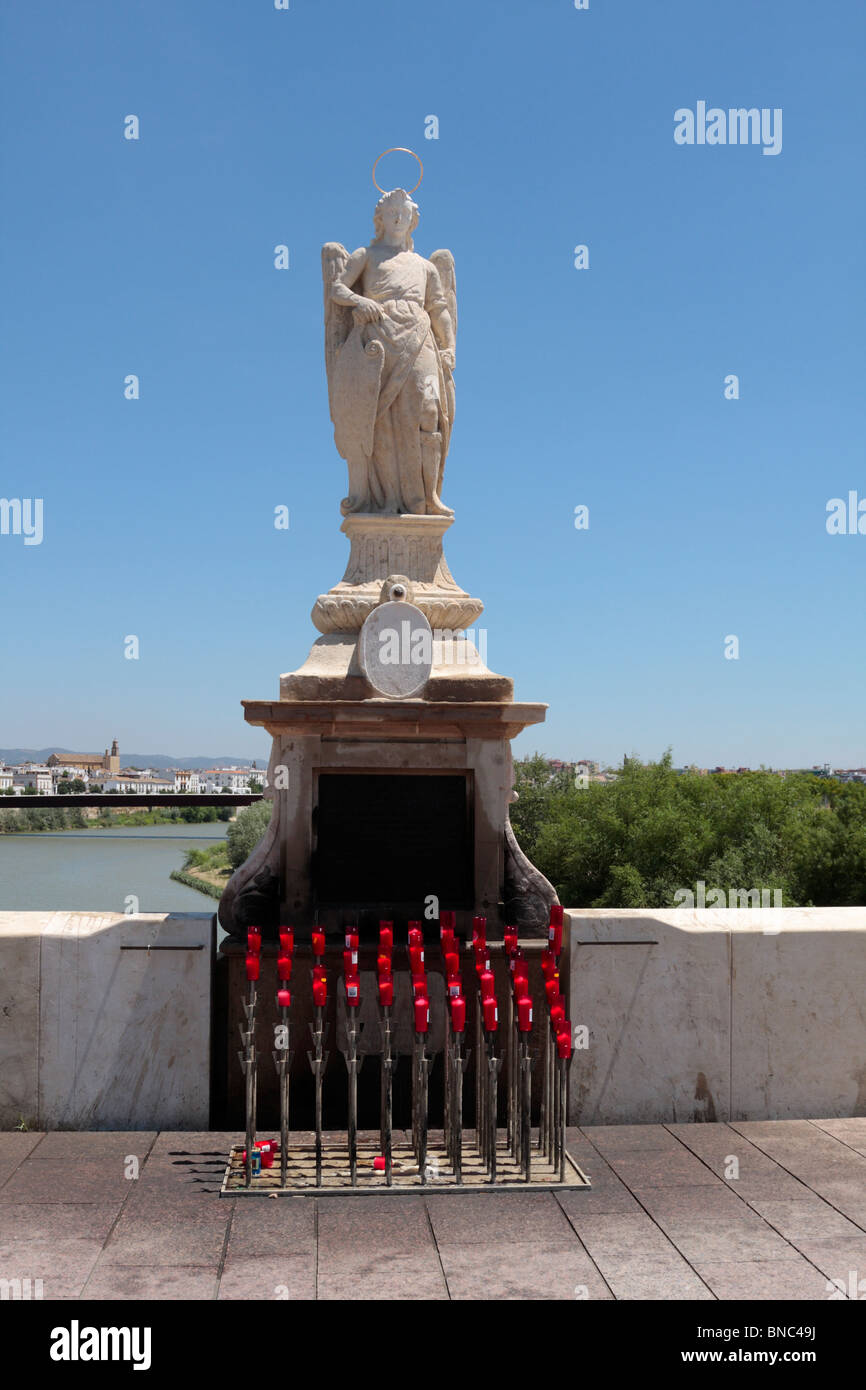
386 546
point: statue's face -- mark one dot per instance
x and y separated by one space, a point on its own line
397 219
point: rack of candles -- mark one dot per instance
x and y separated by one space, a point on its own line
419 1014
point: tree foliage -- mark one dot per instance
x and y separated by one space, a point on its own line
245 832
639 840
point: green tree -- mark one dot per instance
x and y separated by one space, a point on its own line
244 833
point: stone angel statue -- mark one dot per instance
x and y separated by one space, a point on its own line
390 334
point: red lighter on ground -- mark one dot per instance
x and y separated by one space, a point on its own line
318 943
524 1013
253 964
422 1014
491 1015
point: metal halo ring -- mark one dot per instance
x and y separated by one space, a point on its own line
397 149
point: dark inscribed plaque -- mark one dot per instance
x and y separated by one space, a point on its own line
393 839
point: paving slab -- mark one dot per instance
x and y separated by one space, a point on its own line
270 1278
808 1217
521 1270
71 1146
145 1282
364 1273
662 1280
492 1217
54 1181
272 1230
764 1279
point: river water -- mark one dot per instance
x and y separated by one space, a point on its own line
97 870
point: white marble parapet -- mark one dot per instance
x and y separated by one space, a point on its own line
105 1020
718 1014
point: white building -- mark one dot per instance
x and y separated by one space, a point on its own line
186 781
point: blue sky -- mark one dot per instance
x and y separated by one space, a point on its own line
602 387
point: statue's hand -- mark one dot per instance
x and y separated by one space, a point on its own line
367 311
447 356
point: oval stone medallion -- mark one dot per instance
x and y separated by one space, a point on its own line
395 650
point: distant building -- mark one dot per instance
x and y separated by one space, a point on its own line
88 762
185 781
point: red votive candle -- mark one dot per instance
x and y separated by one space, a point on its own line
452 963
386 991
458 1013
524 1013
350 962
284 998
351 939
448 940
557 1017
287 940
455 986
254 940
253 963
487 984
318 943
383 964
563 1042
416 959
284 967
510 939
554 931
521 987
422 1014
386 936
320 992
548 963
353 992
416 935
491 1015
479 929
419 985
447 920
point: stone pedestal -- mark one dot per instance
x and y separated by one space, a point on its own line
388 807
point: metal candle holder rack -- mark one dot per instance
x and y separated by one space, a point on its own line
486 1156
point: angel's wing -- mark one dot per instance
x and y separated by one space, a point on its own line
338 318
444 263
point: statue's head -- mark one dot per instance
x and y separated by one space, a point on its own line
397 215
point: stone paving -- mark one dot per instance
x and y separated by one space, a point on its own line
753 1210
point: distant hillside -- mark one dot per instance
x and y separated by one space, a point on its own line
154 760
